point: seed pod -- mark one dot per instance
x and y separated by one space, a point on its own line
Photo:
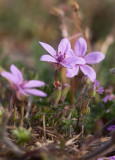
56 96
64 92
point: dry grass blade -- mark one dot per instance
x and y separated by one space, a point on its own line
70 142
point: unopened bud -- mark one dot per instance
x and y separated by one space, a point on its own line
56 96
85 80
64 92
1 114
91 92
112 70
74 6
57 12
66 108
86 110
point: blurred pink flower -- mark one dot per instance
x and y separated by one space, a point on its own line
91 58
63 57
111 128
106 98
109 95
109 158
20 86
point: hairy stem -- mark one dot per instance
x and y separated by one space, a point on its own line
44 127
22 115
12 102
55 76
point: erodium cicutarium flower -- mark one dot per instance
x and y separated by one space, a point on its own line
20 86
61 58
91 58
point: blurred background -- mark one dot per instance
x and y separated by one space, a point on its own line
25 22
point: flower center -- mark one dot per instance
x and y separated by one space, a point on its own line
60 57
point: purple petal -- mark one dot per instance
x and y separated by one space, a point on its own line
75 60
87 70
48 58
22 91
100 90
106 98
66 65
112 158
64 46
70 53
94 57
80 47
16 72
48 48
72 72
111 128
9 77
96 83
36 92
33 83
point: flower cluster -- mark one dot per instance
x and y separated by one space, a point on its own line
73 60
98 88
20 86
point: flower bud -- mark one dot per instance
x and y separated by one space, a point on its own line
56 96
64 92
66 108
92 92
57 12
74 6
85 80
86 110
1 114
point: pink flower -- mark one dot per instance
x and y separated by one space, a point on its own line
109 158
20 86
63 57
111 128
109 95
91 58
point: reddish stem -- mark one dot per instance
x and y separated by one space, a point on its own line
12 102
55 82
